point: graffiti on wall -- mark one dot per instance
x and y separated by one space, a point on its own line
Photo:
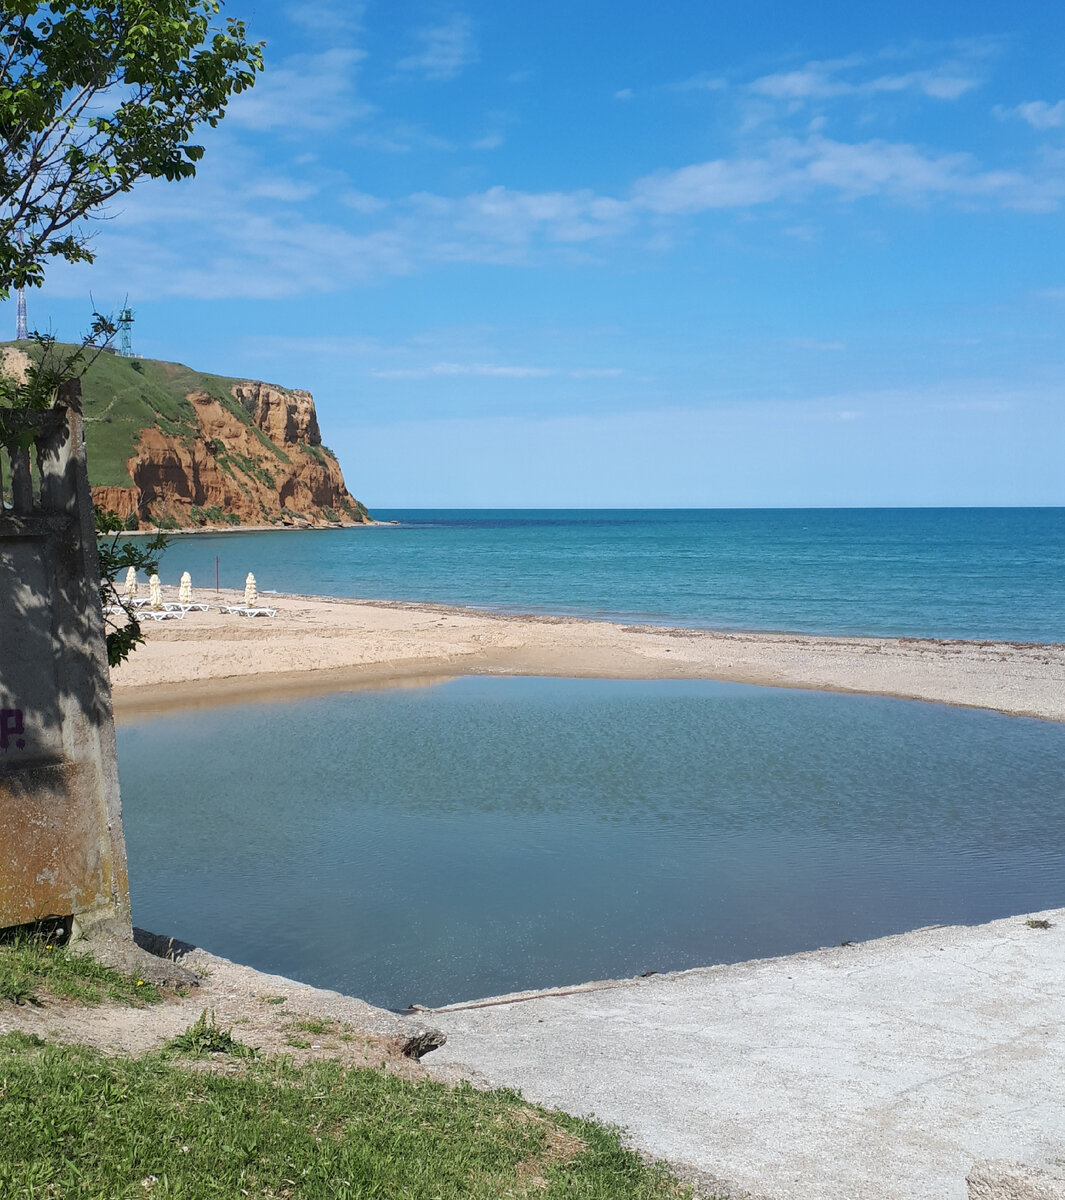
12 729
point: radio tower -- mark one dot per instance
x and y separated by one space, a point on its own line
21 329
125 329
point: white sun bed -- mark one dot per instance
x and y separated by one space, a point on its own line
240 610
160 614
173 606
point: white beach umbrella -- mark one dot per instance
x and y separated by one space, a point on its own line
185 590
131 584
251 594
155 592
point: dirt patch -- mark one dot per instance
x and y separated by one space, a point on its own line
270 1013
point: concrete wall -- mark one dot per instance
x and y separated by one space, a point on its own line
62 852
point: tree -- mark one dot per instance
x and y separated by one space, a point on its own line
93 97
116 557
50 369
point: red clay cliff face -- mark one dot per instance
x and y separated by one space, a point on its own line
268 469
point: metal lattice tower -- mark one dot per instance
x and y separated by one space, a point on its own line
125 330
22 331
21 328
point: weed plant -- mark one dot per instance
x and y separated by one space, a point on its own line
203 1038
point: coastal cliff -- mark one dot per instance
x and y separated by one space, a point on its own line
174 448
270 468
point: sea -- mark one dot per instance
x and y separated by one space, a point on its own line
992 573
437 843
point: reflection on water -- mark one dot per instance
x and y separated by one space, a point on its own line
486 835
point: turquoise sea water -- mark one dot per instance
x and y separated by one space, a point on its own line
967 573
442 843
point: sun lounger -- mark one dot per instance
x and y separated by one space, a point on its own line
184 608
240 610
160 614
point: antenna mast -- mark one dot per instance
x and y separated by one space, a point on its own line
125 329
21 329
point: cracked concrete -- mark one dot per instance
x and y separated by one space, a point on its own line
877 1071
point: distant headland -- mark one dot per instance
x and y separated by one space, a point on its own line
172 448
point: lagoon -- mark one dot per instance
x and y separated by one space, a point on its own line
437 844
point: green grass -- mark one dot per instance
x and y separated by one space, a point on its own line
312 1025
30 966
122 396
76 1124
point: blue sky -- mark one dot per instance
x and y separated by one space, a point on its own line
623 254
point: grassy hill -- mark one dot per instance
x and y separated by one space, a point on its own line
247 466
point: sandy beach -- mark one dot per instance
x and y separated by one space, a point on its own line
318 644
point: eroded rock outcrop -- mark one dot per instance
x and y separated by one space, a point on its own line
257 460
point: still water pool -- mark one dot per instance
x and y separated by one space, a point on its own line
453 841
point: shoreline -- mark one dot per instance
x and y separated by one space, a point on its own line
321 644
886 1068
208 530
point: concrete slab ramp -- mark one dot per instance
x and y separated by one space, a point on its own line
878 1071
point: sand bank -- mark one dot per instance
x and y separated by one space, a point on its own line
318 644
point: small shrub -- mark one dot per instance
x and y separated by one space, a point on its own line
203 1038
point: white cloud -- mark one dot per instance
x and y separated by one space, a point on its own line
833 78
305 92
809 83
445 50
325 16
492 371
288 191
722 183
489 370
242 229
1038 113
243 234
793 168
363 202
624 94
501 221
